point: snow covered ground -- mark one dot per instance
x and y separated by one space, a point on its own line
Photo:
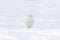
46 15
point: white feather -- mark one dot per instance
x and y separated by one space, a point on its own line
29 21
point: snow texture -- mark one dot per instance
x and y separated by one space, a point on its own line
46 15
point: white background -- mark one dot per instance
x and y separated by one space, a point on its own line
46 15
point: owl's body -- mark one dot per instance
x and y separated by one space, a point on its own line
29 21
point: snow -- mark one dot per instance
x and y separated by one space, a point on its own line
46 15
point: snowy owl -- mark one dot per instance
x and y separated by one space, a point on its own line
29 22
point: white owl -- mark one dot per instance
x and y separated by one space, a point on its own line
29 21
